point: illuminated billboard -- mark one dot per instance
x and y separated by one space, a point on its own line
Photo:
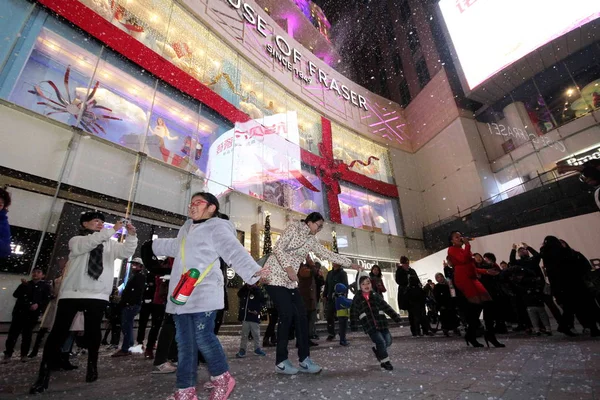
256 153
489 35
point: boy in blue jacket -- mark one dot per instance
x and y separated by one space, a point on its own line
251 302
342 309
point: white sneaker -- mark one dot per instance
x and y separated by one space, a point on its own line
309 367
286 368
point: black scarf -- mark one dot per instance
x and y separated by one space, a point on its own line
95 265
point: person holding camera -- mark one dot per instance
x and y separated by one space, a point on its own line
86 286
465 280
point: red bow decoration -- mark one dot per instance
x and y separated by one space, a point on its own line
330 170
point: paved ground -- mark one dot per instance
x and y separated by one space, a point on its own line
553 368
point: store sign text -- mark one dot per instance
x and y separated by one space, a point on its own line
503 130
281 51
581 158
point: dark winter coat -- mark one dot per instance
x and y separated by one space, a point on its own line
5 237
532 288
531 263
414 298
31 293
134 290
334 277
251 302
567 271
377 282
307 286
371 315
402 279
443 297
492 283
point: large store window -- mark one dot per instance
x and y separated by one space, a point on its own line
372 159
366 210
568 90
70 78
530 115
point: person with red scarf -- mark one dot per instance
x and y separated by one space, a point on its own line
465 280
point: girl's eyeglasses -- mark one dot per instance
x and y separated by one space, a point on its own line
197 203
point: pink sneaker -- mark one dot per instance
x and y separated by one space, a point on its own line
223 386
184 394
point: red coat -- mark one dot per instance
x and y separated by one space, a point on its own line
465 274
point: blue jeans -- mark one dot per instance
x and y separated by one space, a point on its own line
127 316
383 340
196 332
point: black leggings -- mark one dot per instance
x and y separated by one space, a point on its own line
93 311
489 317
166 348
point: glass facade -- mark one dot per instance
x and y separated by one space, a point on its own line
63 73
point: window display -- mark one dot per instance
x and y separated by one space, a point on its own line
361 209
114 99
283 155
362 155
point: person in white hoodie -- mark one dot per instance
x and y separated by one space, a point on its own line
86 286
205 237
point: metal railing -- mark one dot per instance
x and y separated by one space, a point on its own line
523 187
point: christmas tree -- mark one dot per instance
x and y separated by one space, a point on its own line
335 247
267 248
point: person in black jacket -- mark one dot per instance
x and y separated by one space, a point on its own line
446 305
567 271
146 309
414 300
251 302
153 304
529 259
131 302
403 273
32 298
335 276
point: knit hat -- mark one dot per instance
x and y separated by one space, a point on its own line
87 216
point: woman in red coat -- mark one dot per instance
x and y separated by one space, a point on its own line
465 280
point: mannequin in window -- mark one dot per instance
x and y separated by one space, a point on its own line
162 131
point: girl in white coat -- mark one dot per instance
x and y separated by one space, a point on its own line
205 237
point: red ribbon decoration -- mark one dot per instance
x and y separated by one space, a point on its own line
331 171
103 30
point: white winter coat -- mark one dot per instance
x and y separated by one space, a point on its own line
204 243
76 283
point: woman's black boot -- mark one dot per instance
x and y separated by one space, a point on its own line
41 384
65 364
92 372
470 336
489 337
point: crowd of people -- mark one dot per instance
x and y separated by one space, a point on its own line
179 285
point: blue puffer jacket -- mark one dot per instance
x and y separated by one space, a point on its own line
4 234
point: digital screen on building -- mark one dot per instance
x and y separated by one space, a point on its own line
489 35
